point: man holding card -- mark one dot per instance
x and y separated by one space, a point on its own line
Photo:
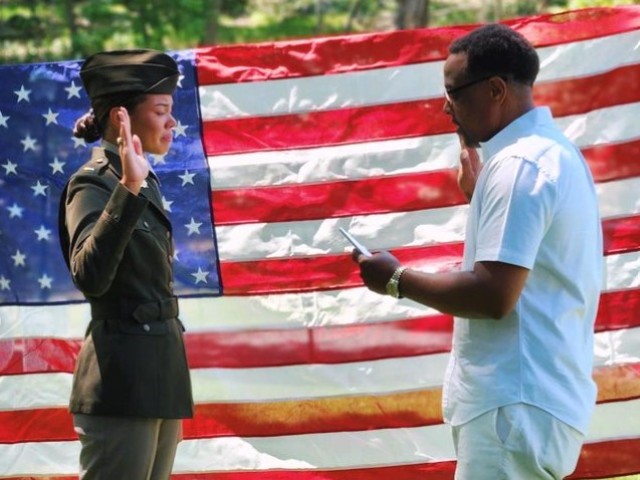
518 391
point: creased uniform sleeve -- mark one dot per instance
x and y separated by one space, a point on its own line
100 219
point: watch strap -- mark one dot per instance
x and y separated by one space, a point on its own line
393 284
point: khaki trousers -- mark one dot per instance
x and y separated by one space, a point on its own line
516 442
128 448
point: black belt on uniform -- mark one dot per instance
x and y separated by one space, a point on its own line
142 312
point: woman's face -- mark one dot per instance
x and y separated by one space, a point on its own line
153 122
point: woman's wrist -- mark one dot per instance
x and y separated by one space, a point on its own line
133 186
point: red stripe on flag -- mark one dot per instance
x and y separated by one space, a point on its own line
433 471
582 95
420 191
442 470
398 120
349 413
38 355
322 272
322 56
325 272
400 193
257 419
324 345
608 459
613 161
324 415
597 460
323 128
618 310
328 344
348 53
621 234
577 25
36 425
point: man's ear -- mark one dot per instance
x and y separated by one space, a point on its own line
498 87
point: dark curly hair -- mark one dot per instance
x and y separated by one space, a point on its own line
496 49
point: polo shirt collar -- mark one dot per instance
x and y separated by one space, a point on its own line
521 126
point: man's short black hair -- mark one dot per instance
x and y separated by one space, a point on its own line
496 49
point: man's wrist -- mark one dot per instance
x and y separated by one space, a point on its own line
393 285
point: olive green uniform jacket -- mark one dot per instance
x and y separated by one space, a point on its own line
119 250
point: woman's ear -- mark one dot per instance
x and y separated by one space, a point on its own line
113 117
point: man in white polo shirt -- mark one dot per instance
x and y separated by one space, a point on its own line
518 390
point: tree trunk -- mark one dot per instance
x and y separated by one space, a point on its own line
212 19
422 13
412 13
70 16
497 12
400 18
353 12
319 16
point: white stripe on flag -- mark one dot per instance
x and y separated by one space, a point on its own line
396 84
340 162
394 157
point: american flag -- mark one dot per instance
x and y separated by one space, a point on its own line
298 371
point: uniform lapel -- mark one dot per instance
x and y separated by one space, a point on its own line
151 191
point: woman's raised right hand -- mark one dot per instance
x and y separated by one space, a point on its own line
135 167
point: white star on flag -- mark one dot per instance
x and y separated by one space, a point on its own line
28 143
43 233
10 167
22 94
19 259
166 203
193 227
78 142
56 166
200 276
180 130
158 159
187 178
15 211
51 117
39 189
73 90
45 281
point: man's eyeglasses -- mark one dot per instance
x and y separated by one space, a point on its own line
450 93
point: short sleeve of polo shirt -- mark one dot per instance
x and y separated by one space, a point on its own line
517 202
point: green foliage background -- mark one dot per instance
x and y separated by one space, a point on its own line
42 30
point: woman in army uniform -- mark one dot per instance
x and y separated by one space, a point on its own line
131 386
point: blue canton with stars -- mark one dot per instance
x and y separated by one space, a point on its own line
39 104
